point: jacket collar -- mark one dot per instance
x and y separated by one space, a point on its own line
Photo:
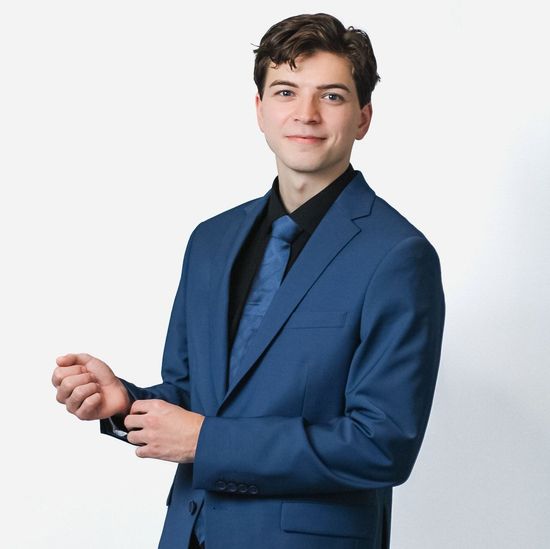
335 231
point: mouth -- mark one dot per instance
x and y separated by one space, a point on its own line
305 138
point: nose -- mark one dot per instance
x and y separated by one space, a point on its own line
307 111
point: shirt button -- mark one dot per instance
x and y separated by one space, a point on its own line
220 485
252 489
192 507
231 487
242 488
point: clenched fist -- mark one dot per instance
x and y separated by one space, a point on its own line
88 387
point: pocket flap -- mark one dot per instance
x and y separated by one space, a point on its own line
329 520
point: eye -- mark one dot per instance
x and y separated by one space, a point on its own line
283 93
334 97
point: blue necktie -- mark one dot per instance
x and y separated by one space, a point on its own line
265 284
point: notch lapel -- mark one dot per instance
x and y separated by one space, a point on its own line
335 231
218 304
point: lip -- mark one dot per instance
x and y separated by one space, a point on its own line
305 138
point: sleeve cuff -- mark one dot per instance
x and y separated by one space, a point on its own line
114 425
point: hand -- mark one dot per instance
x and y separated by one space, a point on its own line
163 431
88 387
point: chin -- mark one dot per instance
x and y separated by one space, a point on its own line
305 169
305 165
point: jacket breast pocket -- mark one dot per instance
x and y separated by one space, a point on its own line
347 521
317 319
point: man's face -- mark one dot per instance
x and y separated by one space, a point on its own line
311 116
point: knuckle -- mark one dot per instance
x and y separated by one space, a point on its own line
90 406
55 378
67 383
148 450
84 412
78 393
150 421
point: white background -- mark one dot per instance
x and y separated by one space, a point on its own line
125 123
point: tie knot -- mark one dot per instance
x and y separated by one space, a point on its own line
285 229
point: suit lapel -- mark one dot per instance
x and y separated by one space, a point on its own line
218 306
335 231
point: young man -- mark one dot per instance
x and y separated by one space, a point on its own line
304 341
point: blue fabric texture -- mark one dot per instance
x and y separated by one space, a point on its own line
331 398
266 282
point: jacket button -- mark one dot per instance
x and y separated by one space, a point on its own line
192 507
231 487
220 485
252 489
242 488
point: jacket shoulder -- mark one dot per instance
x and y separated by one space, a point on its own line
218 223
394 218
382 226
388 225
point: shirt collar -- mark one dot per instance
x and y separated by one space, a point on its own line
310 213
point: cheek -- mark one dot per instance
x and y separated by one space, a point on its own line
347 134
274 121
274 130
345 127
275 118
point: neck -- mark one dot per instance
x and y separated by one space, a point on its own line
296 188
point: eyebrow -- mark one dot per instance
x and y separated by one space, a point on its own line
337 85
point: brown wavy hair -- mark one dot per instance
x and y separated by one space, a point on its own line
308 33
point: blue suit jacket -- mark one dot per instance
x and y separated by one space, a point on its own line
334 394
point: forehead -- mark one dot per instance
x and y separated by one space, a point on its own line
316 68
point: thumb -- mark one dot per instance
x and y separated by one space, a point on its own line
73 359
101 371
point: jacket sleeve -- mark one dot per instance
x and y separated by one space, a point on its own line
388 397
175 362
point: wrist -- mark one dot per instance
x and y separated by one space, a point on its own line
199 419
124 401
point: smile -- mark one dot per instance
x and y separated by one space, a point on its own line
305 139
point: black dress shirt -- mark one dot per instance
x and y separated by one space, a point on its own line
307 216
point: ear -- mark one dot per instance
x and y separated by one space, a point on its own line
259 114
365 118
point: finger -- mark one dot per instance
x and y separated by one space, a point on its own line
60 373
70 383
144 406
144 451
89 408
73 359
137 437
79 395
134 421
